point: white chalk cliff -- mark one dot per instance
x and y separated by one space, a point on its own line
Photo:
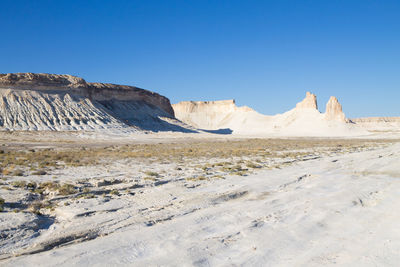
303 120
30 101
214 115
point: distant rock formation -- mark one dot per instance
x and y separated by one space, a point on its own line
186 107
30 101
376 119
303 120
211 115
334 110
309 102
378 124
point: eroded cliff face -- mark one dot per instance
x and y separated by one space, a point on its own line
78 86
31 101
204 114
187 107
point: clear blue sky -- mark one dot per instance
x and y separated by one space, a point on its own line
264 54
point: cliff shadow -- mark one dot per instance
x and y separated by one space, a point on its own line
144 116
219 131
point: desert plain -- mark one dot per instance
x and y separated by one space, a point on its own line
198 200
103 175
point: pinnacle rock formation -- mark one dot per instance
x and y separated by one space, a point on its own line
310 102
303 120
334 110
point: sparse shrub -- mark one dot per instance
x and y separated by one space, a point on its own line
19 184
49 185
198 178
66 189
31 185
7 171
88 196
238 168
40 172
35 207
39 191
86 190
17 173
252 165
150 173
2 201
226 169
114 192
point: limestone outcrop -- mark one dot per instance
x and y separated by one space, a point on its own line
30 101
378 124
334 110
213 115
376 120
196 106
78 86
309 102
303 120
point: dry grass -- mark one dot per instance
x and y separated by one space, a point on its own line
2 201
39 161
194 161
67 189
151 173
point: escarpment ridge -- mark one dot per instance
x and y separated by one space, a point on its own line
378 124
376 119
38 101
78 86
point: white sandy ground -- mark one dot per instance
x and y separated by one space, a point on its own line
340 210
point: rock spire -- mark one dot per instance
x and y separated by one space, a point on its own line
334 110
309 102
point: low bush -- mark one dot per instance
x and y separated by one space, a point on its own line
17 173
2 201
66 189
